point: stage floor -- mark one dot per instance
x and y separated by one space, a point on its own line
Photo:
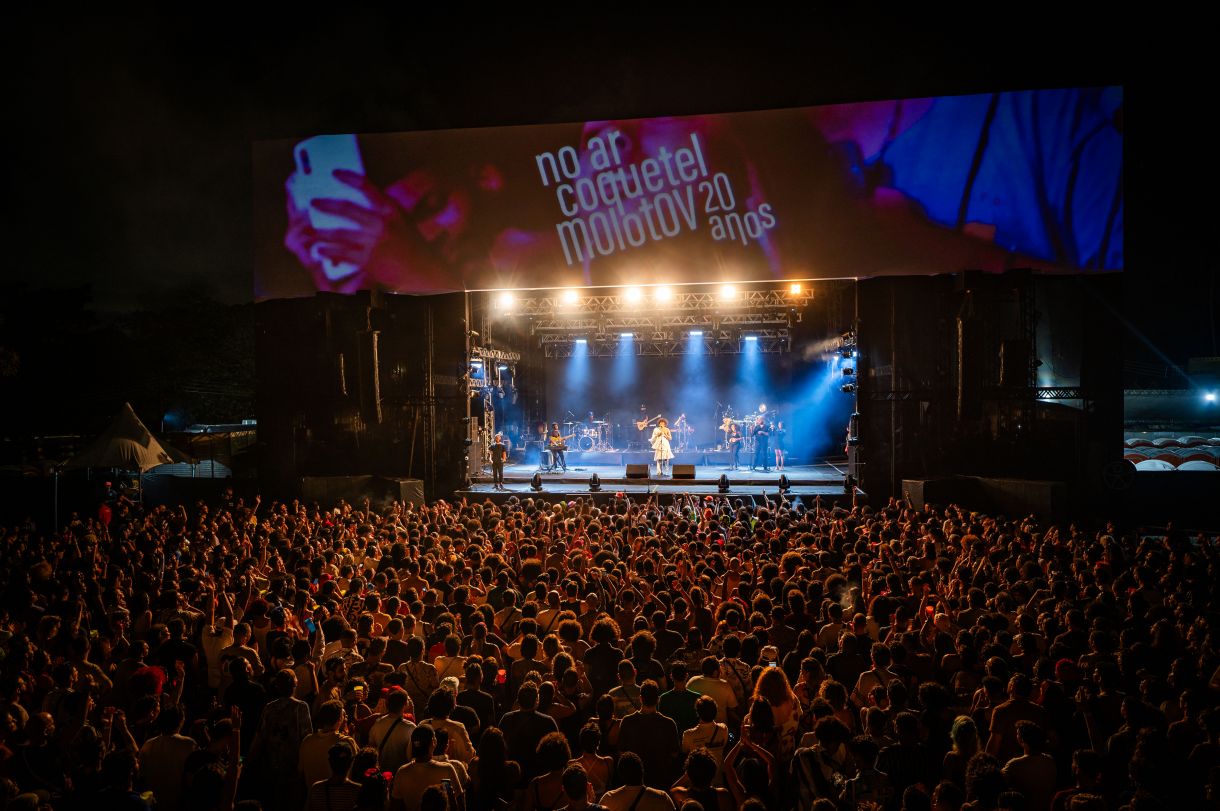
578 472
807 482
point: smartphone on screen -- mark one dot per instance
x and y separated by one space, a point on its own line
316 160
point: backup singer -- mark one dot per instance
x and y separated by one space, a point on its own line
734 442
661 452
781 449
761 436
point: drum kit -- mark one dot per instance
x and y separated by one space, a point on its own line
591 435
743 424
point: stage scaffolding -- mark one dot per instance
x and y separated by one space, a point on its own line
662 327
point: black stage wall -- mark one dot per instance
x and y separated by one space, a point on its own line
1010 375
364 384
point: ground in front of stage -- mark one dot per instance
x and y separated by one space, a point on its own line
808 483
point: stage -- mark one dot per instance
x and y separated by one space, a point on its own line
823 481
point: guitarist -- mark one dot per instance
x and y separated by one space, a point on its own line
556 445
642 424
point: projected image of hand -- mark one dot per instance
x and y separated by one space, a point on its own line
375 223
378 240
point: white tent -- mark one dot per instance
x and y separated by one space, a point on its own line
126 445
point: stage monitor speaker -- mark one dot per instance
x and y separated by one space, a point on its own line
637 471
684 471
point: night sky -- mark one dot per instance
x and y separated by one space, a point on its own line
129 159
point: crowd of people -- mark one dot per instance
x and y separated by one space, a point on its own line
618 655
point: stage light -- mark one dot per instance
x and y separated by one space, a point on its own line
476 362
1210 397
570 296
847 388
848 371
536 483
784 484
750 338
582 341
794 289
762 408
595 484
728 291
625 334
502 368
506 301
696 333
663 294
723 484
633 295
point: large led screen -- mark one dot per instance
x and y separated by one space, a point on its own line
931 185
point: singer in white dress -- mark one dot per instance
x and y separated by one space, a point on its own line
661 452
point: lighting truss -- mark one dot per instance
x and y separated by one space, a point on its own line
668 343
551 303
497 355
490 358
661 328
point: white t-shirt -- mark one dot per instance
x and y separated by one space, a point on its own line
215 640
713 736
622 799
397 750
718 689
